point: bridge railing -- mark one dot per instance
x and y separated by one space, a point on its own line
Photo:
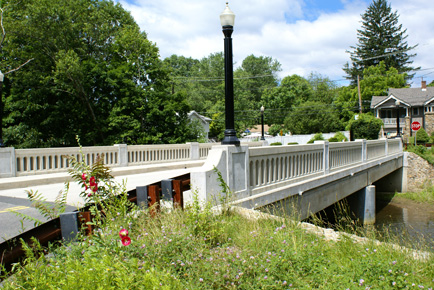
24 162
276 164
273 164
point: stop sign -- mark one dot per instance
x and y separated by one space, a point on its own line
415 126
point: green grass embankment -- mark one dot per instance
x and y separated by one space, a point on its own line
195 249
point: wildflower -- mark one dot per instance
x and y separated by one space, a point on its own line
126 241
200 280
361 281
123 233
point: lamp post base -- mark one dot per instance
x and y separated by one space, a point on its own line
230 138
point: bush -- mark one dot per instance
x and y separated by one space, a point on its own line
275 130
338 137
292 143
365 127
275 144
316 137
422 137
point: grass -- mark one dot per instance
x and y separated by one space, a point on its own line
197 249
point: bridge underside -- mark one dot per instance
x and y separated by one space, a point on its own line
308 197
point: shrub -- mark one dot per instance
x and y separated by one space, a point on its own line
422 137
292 143
275 130
365 127
316 137
338 137
276 144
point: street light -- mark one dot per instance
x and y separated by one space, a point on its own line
227 20
2 76
262 122
397 103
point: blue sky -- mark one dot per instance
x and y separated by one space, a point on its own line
305 36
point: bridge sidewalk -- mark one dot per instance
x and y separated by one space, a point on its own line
51 184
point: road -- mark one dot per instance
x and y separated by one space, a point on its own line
12 211
15 200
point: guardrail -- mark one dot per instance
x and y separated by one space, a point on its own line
68 225
270 165
25 162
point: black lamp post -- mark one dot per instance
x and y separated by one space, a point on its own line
262 122
227 20
397 103
1 110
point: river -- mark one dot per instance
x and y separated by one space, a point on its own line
407 218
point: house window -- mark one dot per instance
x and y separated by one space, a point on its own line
415 111
384 114
429 109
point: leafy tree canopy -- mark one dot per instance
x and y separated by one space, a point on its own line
376 82
94 74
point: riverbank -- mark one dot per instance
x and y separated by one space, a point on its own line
194 249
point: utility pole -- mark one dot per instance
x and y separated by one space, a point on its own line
360 97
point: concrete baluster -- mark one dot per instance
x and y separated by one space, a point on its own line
194 151
123 154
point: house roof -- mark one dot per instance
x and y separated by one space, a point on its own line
411 97
199 116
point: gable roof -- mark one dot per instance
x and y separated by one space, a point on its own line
199 116
412 97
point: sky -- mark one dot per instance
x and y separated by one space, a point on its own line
304 36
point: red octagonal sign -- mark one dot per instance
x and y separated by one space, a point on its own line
415 126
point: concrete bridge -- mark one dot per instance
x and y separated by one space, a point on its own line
309 177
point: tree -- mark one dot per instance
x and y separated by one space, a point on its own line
366 126
313 117
94 75
257 74
381 38
376 82
293 90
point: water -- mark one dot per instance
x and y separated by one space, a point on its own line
407 219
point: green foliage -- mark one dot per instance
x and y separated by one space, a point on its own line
292 143
93 74
365 127
422 151
422 137
313 116
276 144
316 137
293 90
381 38
338 137
203 82
375 82
259 253
277 129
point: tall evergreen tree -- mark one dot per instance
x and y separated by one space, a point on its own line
381 38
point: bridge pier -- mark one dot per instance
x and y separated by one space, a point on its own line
362 204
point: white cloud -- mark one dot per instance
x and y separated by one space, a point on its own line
270 28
